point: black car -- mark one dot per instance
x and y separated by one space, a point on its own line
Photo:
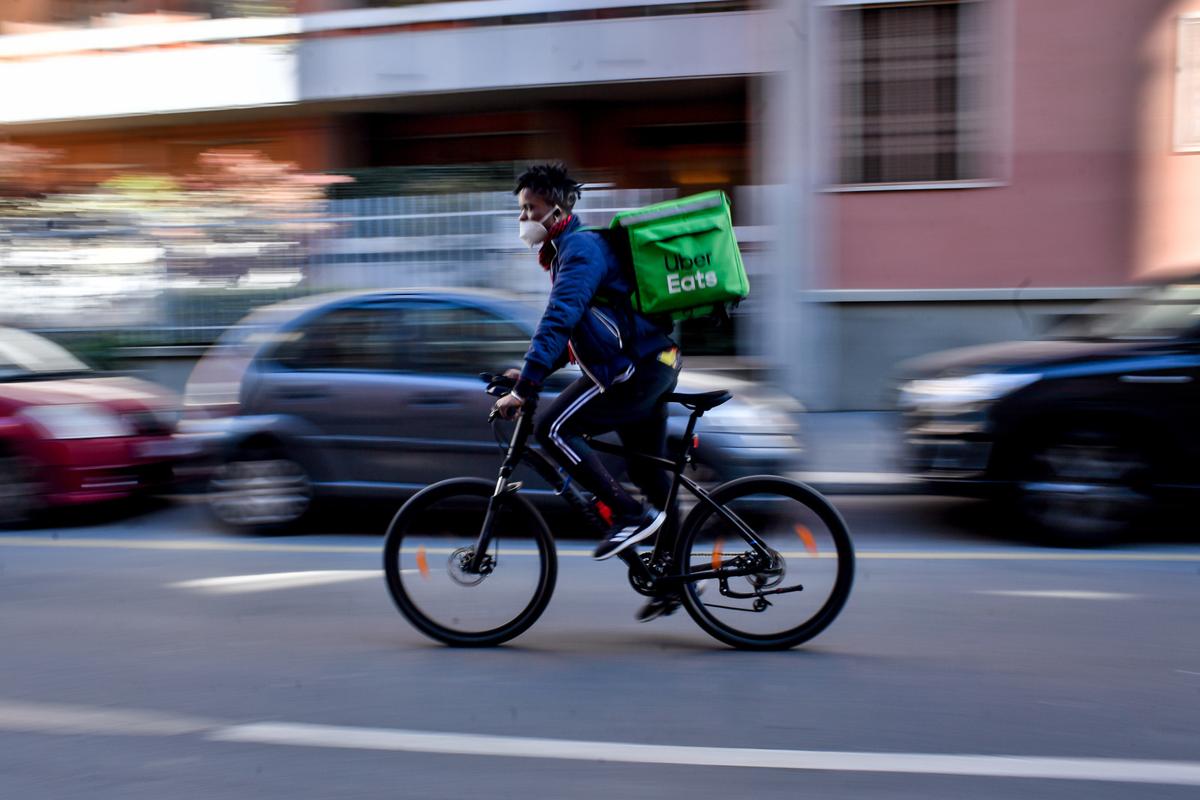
1086 432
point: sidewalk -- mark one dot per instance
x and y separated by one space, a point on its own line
854 452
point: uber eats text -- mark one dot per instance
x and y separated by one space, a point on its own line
692 281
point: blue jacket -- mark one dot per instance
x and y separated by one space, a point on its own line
589 306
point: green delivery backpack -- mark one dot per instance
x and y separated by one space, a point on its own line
682 256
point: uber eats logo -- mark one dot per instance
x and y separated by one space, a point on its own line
684 274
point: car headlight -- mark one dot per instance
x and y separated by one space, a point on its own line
78 421
963 391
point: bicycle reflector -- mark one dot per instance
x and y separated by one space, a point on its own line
695 441
422 563
810 544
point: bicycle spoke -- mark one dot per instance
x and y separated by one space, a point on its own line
455 594
791 588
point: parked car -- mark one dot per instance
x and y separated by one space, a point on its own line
69 435
1086 432
377 393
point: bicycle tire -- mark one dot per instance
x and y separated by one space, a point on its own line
477 490
836 530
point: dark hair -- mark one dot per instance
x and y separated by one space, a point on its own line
552 183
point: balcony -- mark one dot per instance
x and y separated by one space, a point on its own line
219 64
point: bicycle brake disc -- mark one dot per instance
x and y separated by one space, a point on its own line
456 567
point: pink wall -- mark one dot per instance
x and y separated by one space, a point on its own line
1068 211
1167 236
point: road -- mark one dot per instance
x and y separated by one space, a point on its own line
965 665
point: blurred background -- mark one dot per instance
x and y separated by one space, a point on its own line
254 254
907 177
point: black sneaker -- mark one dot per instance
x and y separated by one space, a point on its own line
664 605
659 607
627 532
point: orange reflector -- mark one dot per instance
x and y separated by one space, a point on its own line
422 564
718 549
810 544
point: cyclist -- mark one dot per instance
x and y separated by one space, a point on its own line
629 363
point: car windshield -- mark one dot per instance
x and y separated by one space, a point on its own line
25 356
1164 312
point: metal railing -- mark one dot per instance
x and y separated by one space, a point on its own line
137 281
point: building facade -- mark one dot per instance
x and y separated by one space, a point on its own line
924 174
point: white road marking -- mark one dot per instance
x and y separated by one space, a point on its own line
59 719
237 584
1060 594
218 545
224 545
69 719
1187 672
1184 773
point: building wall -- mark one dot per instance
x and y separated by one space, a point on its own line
1095 195
1065 212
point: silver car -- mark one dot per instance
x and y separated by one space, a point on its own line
377 393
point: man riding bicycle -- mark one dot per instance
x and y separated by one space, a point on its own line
629 363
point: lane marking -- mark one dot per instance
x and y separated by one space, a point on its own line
221 545
69 719
1021 555
270 581
1059 594
217 545
1184 773
47 718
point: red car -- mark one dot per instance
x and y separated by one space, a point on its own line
69 435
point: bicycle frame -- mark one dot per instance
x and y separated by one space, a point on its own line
664 544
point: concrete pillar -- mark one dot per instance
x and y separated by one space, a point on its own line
801 344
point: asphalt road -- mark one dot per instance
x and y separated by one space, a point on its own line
965 665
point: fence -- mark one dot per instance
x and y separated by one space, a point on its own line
140 279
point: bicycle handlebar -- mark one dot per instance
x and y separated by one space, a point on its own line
497 386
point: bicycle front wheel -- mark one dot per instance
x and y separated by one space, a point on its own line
427 557
771 603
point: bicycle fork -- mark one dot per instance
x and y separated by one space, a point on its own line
512 457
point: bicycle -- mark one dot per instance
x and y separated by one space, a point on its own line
737 545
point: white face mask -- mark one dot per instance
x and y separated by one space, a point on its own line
533 232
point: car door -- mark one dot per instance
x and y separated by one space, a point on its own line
335 375
1161 386
444 344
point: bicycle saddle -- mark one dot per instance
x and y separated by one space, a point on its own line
702 401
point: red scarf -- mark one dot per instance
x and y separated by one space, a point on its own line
548 251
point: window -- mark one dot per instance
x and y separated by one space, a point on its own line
360 339
440 338
910 92
1187 86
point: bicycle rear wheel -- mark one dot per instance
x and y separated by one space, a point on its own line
779 603
430 542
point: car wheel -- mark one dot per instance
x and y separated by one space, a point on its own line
1083 489
260 490
19 489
